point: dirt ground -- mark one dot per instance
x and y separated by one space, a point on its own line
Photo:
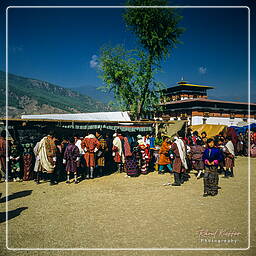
119 212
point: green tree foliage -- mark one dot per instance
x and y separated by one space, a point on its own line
124 73
130 73
156 28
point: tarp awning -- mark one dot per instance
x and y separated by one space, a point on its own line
172 129
97 116
210 129
243 129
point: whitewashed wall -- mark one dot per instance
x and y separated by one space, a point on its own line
218 120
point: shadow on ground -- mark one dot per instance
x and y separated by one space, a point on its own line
11 214
16 195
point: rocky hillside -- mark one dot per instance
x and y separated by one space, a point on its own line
32 96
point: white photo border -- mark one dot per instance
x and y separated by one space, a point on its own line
248 121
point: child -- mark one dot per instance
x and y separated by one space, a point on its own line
71 157
211 157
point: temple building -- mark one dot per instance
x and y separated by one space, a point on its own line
190 102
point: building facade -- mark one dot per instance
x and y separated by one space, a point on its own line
190 102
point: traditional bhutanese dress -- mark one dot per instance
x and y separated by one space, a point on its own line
144 159
240 144
47 153
38 167
2 156
197 157
28 161
71 156
144 156
15 153
118 151
229 155
164 158
101 152
130 160
211 178
91 144
180 162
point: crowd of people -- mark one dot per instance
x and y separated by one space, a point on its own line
77 158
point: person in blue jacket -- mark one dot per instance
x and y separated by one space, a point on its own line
211 157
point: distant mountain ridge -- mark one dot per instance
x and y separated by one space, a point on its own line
33 96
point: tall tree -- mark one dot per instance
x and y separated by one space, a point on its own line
125 73
130 74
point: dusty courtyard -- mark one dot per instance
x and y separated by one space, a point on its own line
118 212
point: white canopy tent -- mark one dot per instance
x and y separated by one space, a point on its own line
97 116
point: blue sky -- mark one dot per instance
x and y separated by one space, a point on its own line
61 45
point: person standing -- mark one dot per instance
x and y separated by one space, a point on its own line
118 152
15 157
232 134
130 159
144 154
59 168
240 144
38 168
3 155
81 165
164 159
47 155
196 157
211 158
229 158
70 159
100 155
90 145
28 160
180 160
